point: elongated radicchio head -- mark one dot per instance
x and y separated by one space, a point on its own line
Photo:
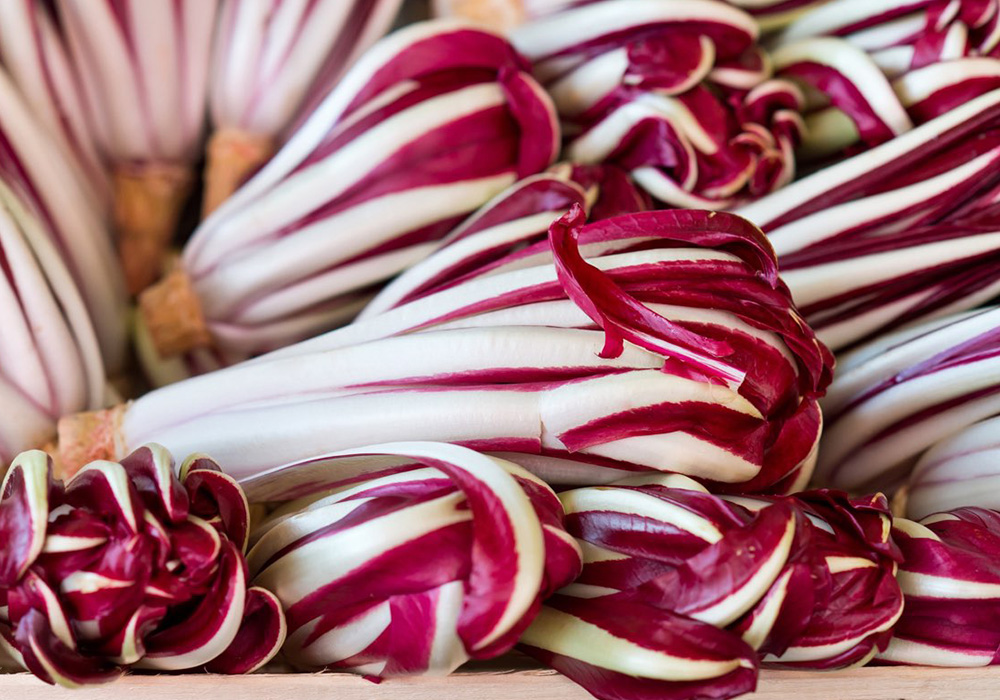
514 219
951 581
38 63
872 70
127 565
805 581
676 92
652 341
144 68
962 470
272 63
429 124
50 360
42 175
408 558
898 396
903 233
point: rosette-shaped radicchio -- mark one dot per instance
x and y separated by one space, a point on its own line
272 62
408 558
676 92
428 125
898 396
873 69
127 565
144 69
42 174
50 362
951 581
675 347
682 591
906 232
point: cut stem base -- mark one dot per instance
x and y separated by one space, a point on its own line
232 157
173 316
89 436
148 203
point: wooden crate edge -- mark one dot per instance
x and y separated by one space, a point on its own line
506 684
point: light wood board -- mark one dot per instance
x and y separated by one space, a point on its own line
533 684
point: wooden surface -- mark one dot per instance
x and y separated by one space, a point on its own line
535 684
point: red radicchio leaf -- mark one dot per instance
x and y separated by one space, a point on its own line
260 637
625 318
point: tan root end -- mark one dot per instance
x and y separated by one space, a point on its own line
148 203
233 156
498 15
85 437
173 315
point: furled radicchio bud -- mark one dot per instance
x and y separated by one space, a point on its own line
951 581
144 71
428 125
898 396
675 347
50 362
963 470
676 92
34 166
872 69
855 597
127 565
408 558
273 61
681 590
900 234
